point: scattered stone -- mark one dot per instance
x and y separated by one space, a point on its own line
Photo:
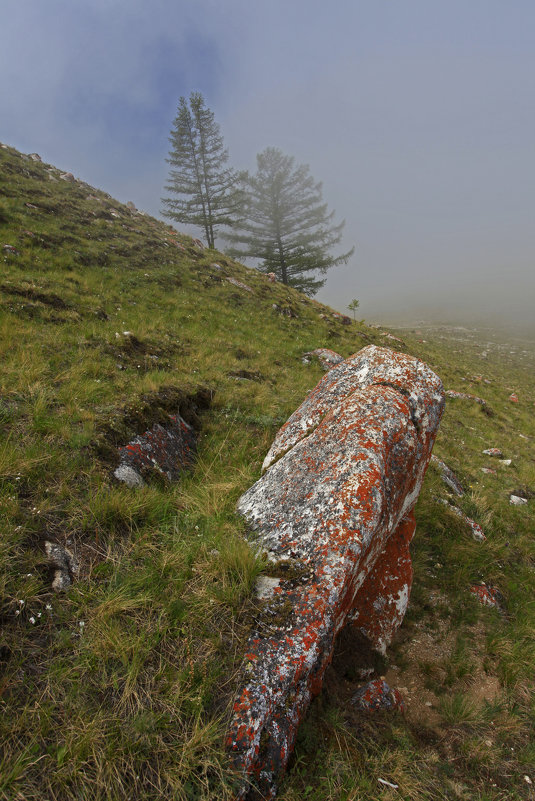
493 452
272 278
488 596
344 319
327 358
64 565
488 470
239 284
216 266
477 532
35 157
506 462
67 176
465 396
198 243
392 337
516 500
246 375
131 206
341 481
12 250
448 477
513 397
377 694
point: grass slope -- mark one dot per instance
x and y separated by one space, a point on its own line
120 687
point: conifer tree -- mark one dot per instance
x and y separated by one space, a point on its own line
203 186
285 224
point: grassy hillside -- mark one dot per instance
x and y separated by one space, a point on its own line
119 688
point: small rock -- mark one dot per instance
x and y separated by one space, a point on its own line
67 176
513 397
488 596
327 358
506 462
448 476
35 157
215 266
272 278
239 284
64 564
465 396
377 694
392 337
516 500
128 475
477 532
488 470
493 452
131 206
11 249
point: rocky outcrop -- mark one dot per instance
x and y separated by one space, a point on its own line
333 515
167 450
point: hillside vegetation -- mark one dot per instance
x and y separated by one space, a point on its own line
119 688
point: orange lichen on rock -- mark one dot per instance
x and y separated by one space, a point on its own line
345 523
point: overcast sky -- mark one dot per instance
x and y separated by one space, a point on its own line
418 116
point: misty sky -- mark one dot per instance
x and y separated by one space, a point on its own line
418 116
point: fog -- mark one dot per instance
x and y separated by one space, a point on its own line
418 117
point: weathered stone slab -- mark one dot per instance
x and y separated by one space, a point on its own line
169 450
448 476
335 509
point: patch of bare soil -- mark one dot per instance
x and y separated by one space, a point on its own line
420 668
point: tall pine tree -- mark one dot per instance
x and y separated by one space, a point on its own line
204 187
285 224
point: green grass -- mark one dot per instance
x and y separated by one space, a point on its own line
121 687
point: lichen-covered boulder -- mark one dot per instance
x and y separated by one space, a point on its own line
333 514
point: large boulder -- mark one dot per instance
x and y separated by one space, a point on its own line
333 515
